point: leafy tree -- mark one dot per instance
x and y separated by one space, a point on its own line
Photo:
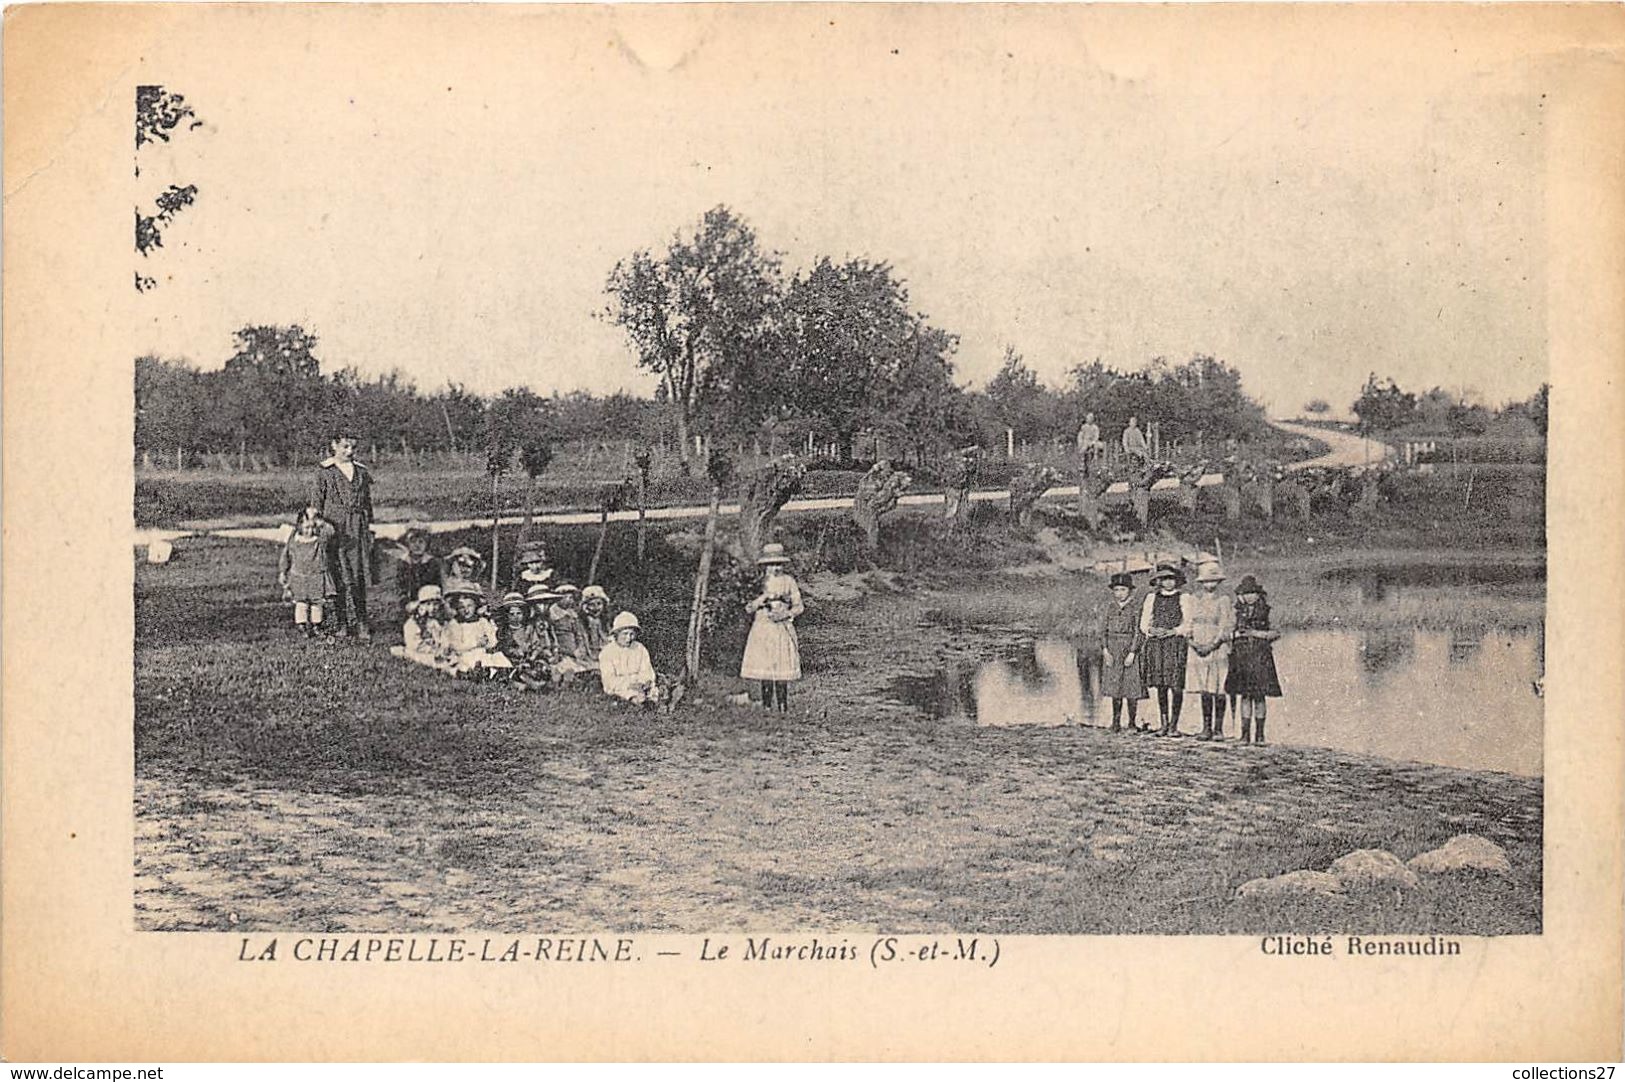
698 316
1019 400
848 334
158 112
1383 407
271 391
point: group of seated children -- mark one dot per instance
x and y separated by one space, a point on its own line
540 635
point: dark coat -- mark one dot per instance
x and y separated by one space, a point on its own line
346 505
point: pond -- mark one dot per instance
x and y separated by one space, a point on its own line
1462 699
1384 583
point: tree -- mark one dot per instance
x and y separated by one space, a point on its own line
1384 407
1019 401
719 469
763 492
158 112
272 394
877 495
698 316
168 407
848 337
507 421
535 452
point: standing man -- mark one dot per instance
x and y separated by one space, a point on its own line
1089 445
1135 444
341 494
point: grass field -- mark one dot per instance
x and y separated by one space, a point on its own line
283 785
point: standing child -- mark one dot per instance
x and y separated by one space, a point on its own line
1213 620
1165 620
341 494
772 652
303 571
1120 643
423 635
471 636
625 669
1252 658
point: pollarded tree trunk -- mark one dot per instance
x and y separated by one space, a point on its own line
877 495
1262 492
960 475
1295 496
1231 492
1139 497
762 495
1026 488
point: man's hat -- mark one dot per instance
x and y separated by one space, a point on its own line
1169 571
1248 585
1123 578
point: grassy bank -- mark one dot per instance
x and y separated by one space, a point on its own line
290 785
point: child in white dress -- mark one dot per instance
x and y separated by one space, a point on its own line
772 652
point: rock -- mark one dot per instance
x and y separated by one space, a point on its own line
1292 883
159 551
1464 852
1372 868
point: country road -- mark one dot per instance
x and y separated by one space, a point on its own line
1347 449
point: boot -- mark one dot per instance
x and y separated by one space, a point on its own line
1246 729
1260 737
306 633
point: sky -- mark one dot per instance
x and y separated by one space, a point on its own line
447 197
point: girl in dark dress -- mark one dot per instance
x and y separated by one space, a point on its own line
1165 620
1252 676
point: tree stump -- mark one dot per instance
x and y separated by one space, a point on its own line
762 495
1090 490
1262 491
1026 487
1295 496
1186 495
1139 497
958 478
877 495
1232 501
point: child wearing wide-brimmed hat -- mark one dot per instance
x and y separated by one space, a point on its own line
1120 643
1165 620
594 615
625 669
772 651
304 572
464 564
1252 677
1212 623
471 635
423 634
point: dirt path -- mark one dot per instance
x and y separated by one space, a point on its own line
1347 449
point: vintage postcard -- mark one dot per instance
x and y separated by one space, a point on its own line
813 531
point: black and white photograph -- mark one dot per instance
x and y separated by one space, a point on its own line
794 478
1060 504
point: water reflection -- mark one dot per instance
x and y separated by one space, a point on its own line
1458 699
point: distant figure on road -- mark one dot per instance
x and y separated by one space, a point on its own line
1135 445
1089 444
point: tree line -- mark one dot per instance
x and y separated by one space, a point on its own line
1383 406
746 354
